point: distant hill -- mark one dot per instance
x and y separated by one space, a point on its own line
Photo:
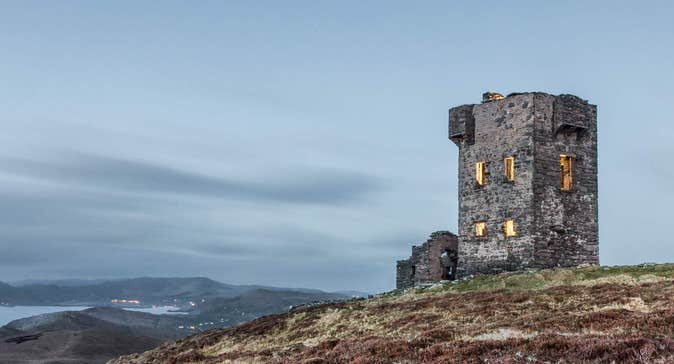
147 291
573 315
98 334
89 336
157 326
10 294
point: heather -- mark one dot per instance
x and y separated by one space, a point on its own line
572 315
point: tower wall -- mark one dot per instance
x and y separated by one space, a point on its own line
501 129
567 221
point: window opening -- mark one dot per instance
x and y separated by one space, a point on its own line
566 168
480 168
480 228
509 228
509 164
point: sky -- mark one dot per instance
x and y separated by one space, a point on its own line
301 143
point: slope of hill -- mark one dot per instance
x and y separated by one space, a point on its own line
158 326
88 346
253 304
591 314
98 334
89 336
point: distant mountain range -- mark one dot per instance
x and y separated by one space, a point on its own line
135 292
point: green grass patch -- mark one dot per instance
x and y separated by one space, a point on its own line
545 278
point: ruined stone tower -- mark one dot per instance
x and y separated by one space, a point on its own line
527 190
527 182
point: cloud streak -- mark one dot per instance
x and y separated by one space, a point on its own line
86 215
314 186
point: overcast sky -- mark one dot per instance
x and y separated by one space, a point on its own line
301 143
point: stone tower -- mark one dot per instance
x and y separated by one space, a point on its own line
527 182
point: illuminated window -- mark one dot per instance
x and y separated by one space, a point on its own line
480 228
566 168
509 165
509 228
480 168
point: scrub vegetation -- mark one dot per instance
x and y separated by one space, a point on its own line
572 315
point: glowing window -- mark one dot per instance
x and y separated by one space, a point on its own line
509 165
509 228
566 168
480 228
480 168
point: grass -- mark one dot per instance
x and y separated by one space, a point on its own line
546 278
588 314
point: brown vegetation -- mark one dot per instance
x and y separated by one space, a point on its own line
595 314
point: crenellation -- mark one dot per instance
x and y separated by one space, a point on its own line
462 124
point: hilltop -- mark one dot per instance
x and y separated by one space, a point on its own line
99 334
589 314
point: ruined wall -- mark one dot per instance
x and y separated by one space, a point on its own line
502 129
404 274
567 220
424 265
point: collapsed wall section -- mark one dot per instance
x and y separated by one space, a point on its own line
432 261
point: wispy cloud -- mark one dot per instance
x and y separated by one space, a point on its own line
61 215
313 186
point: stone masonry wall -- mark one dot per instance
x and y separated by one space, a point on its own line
424 265
567 221
502 129
554 227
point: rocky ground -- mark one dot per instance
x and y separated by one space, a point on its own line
576 315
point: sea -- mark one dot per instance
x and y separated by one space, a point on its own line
9 314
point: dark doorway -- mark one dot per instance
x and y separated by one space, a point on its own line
449 260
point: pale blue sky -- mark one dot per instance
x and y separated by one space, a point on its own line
300 143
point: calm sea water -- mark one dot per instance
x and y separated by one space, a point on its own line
8 314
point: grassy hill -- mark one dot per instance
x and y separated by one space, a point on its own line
590 314
98 334
90 336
